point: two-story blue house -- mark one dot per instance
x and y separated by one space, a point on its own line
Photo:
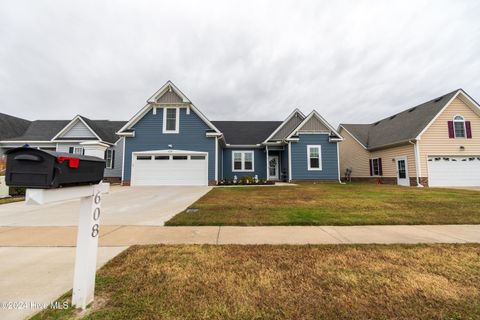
171 142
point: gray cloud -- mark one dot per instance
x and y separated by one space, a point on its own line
354 61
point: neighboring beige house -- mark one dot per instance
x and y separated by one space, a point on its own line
435 144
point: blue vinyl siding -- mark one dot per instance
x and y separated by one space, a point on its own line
220 162
300 161
149 136
259 164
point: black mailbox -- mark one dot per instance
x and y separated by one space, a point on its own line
33 168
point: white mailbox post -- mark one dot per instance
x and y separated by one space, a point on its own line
87 236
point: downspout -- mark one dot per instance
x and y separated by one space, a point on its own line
417 162
338 165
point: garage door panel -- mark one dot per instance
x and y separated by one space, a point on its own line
454 171
174 171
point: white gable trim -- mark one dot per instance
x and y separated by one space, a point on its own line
285 122
319 117
71 124
471 103
353 137
140 114
168 86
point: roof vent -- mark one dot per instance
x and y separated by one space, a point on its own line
438 99
412 109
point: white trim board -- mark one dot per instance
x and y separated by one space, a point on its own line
285 122
142 112
71 124
243 152
470 103
353 137
319 117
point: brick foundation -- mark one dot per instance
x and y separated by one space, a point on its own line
113 180
389 180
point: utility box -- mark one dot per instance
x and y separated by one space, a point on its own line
34 168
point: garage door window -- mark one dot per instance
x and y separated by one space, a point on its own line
180 157
197 157
144 158
162 157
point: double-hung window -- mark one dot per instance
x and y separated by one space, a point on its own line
242 161
109 158
314 157
76 150
376 167
459 126
171 117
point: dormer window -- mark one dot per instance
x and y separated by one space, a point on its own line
459 126
171 117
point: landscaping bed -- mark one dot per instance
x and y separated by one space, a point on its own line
333 204
287 282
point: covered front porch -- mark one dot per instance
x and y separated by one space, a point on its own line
277 166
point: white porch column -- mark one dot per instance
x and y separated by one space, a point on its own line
289 161
267 163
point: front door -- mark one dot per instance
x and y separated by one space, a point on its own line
402 172
273 167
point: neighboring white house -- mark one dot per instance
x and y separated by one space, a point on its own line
72 136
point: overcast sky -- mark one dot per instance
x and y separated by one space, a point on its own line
353 61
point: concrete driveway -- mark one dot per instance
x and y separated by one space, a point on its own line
32 276
150 206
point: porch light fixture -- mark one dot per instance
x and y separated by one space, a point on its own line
462 147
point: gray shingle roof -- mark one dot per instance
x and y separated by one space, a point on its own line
246 132
41 130
12 126
400 127
45 130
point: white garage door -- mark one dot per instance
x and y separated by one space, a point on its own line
172 168
448 171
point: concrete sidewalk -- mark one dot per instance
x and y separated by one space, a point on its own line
114 236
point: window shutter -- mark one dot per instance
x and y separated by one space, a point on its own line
113 159
468 127
70 150
451 134
380 170
371 167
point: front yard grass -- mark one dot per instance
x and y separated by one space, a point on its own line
288 282
10 200
332 204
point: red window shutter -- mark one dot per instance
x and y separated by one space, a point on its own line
451 134
468 127
371 167
380 170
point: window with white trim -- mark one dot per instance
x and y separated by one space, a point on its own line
76 150
171 117
459 126
242 161
109 158
314 157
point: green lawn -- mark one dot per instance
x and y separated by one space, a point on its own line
287 282
10 200
333 204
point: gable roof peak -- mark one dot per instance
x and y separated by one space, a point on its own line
169 86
